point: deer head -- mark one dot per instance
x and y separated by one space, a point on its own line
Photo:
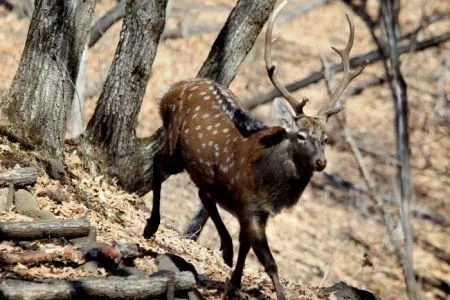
307 133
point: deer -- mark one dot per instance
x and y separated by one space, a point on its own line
251 170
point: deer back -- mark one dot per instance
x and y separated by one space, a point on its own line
218 140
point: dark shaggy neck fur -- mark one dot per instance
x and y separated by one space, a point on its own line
244 122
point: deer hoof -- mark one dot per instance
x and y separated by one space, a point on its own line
151 227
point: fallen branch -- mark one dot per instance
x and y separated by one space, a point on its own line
103 253
98 288
18 176
370 57
67 253
44 229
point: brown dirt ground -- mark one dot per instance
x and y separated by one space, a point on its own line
330 233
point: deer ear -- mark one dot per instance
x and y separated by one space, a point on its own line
272 136
283 115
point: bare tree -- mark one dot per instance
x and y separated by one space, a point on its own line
390 10
36 109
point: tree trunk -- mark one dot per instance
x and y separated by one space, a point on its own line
390 9
40 96
235 40
112 127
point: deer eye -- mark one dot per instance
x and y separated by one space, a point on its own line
301 137
325 140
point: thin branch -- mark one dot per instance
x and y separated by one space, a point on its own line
370 57
105 22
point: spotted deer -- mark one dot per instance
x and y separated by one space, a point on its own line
250 169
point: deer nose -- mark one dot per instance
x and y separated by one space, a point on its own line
320 164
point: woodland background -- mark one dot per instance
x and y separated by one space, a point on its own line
336 232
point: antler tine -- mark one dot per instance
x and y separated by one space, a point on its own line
294 103
330 108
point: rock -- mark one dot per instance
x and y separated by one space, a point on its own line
131 272
46 215
26 203
342 291
175 263
85 240
4 192
89 267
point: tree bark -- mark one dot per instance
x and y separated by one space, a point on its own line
97 288
112 127
105 22
39 99
43 229
235 40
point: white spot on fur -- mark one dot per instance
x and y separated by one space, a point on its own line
198 127
186 130
199 135
214 132
205 116
209 127
197 108
225 130
206 98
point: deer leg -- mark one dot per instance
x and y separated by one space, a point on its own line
257 235
244 247
155 219
226 243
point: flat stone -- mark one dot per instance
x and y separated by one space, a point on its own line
46 215
4 192
131 272
343 291
26 203
89 267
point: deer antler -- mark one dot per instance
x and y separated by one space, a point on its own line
296 105
330 108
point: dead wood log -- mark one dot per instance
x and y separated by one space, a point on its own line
67 253
19 176
44 229
103 253
97 288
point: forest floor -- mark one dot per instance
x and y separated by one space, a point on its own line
333 234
